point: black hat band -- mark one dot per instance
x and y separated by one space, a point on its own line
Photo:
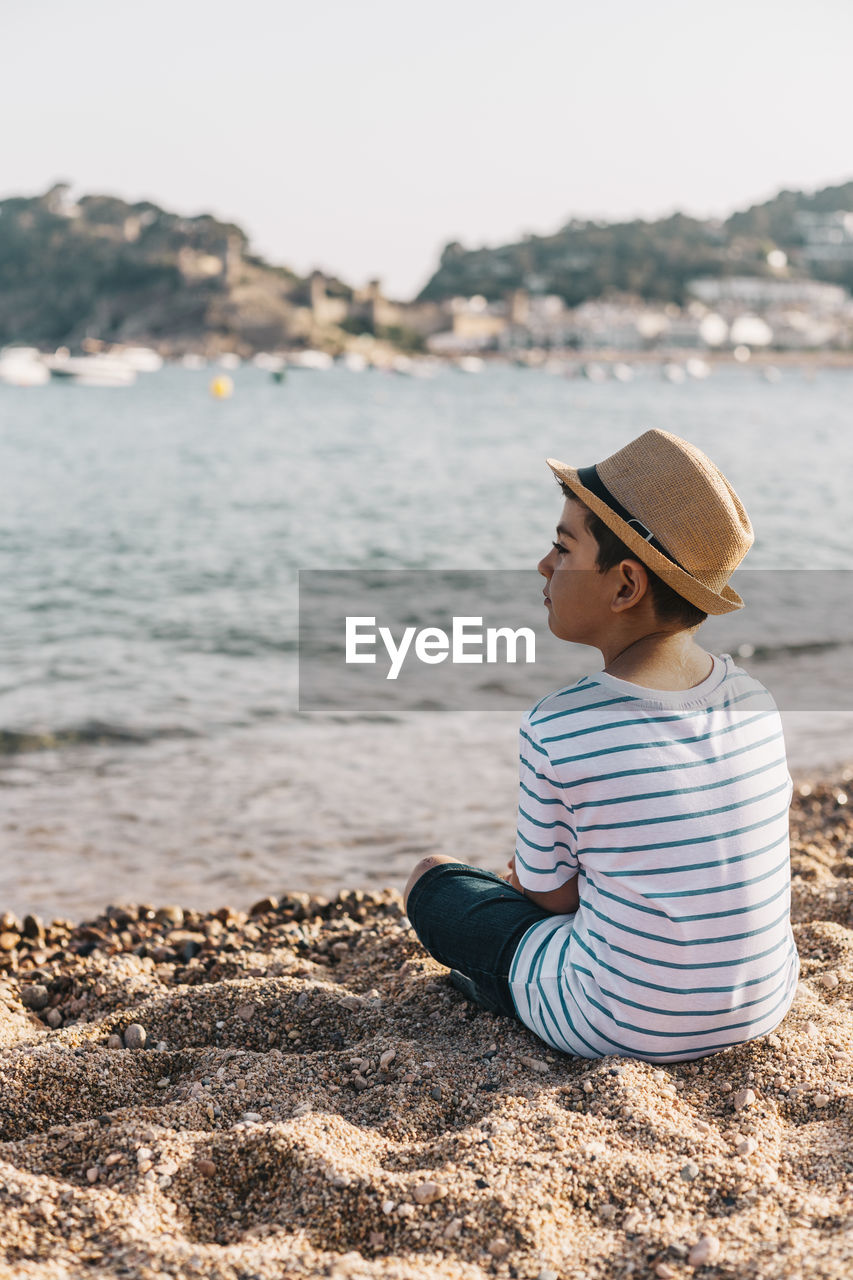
591 480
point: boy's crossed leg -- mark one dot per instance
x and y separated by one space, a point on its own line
472 921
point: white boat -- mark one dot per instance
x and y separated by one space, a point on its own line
471 364
92 371
771 373
425 367
593 371
229 360
23 367
268 362
310 359
623 372
354 361
673 372
142 359
193 361
698 368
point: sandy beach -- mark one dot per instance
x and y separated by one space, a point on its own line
298 1091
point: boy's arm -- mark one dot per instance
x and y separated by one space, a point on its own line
560 902
546 864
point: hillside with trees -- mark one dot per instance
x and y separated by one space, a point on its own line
102 268
653 259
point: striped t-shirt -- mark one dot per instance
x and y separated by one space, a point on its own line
672 807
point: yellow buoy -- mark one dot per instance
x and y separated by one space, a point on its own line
221 387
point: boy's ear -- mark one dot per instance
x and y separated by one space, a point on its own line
635 576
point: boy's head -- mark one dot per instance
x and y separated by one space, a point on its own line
670 608
661 501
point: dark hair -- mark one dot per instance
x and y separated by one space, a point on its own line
668 604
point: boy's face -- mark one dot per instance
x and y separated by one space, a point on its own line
577 596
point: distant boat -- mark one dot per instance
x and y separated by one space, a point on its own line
268 362
191 360
593 371
354 361
310 359
229 360
771 373
623 372
142 359
23 367
698 368
471 364
673 372
92 371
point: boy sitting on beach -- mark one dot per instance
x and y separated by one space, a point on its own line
647 908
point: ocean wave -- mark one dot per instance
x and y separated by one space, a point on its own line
15 742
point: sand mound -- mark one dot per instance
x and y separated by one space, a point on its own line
307 1095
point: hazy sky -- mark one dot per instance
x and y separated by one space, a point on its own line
360 136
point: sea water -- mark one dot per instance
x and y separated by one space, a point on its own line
151 537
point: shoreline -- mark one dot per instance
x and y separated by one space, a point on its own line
296 1090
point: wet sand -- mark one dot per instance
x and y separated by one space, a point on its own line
298 1091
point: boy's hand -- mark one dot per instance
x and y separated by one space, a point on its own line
512 878
562 901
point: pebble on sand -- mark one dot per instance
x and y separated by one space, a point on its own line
135 1036
706 1249
429 1192
34 996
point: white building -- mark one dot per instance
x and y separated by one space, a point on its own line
756 293
828 236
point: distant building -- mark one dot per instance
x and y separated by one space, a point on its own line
477 322
325 309
537 321
757 292
828 236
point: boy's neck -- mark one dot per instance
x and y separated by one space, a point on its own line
660 661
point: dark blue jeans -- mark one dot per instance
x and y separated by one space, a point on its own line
473 921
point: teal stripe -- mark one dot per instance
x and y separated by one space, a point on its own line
676 1035
621 700
552 782
686 942
675 1013
580 686
675 964
676 765
558 822
727 781
564 1007
669 743
534 745
633 1051
687 817
660 845
535 970
549 800
545 848
679 991
544 871
707 915
667 717
725 888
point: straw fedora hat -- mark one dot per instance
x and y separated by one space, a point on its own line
676 511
